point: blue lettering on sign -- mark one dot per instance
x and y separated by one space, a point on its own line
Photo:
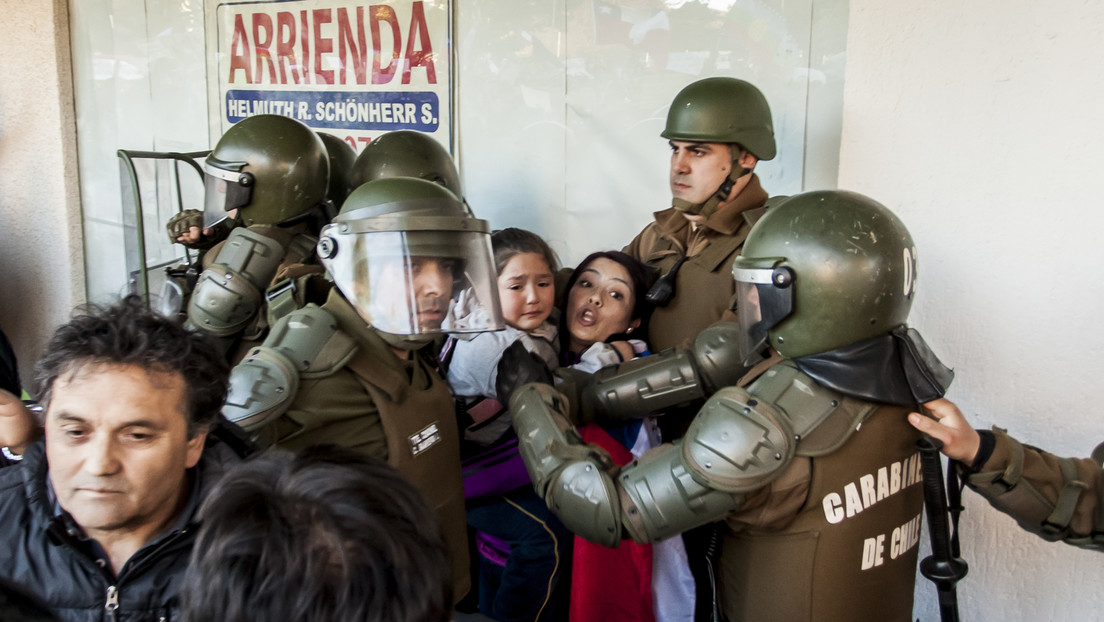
346 110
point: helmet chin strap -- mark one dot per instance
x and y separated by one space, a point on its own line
406 342
707 208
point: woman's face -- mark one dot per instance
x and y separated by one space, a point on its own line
600 304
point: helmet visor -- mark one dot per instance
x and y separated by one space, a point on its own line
225 190
764 298
415 282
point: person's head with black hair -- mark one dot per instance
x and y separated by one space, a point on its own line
526 268
128 334
329 534
128 396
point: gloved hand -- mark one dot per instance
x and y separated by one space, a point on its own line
187 228
519 367
466 313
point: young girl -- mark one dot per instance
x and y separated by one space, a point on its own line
522 547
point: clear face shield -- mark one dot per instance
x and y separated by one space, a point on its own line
764 295
409 281
226 188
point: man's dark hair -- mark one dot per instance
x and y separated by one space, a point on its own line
331 534
127 333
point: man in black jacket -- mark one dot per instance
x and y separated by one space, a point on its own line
98 519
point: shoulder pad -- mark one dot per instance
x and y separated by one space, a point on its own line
822 419
752 216
303 344
301 248
309 337
737 442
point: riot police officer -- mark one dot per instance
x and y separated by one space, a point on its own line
809 457
408 263
342 157
270 174
718 129
406 153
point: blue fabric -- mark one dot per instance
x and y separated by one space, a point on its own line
529 586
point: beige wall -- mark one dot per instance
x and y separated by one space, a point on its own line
980 124
41 252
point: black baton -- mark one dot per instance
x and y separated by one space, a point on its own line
943 567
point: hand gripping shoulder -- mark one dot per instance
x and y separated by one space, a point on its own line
303 344
572 477
230 292
675 376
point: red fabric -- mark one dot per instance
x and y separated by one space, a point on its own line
611 585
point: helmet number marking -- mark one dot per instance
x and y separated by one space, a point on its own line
910 271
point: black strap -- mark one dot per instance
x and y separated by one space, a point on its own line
955 484
943 567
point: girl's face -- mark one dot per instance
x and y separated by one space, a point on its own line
600 304
526 290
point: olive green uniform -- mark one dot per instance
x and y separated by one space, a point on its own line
356 370
295 258
299 250
703 288
808 457
387 408
1055 498
835 537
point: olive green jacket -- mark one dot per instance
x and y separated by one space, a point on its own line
835 537
704 287
1054 498
395 410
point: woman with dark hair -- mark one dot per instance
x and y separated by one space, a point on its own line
604 312
603 307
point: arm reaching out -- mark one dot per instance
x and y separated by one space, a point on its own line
18 425
960 439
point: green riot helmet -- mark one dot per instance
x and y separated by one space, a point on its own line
272 169
406 153
721 110
341 157
823 270
413 261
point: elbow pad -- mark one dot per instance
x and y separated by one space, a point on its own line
655 383
572 477
230 292
303 344
735 444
